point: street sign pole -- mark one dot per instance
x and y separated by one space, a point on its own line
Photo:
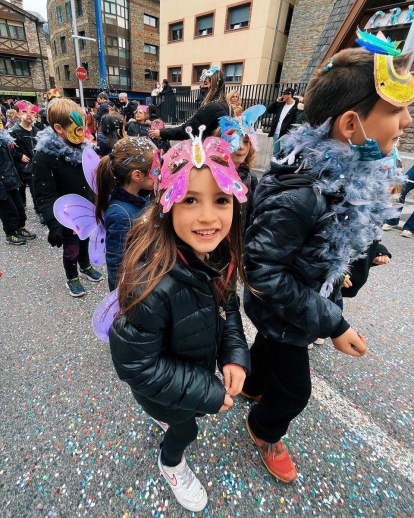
77 56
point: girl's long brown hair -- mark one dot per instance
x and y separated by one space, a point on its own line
112 170
151 252
216 86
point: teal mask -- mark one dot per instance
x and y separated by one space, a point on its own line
368 151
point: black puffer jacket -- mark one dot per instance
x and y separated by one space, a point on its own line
283 260
25 144
136 129
9 179
277 107
209 115
167 349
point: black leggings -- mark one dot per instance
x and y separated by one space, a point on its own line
281 374
12 213
182 429
74 251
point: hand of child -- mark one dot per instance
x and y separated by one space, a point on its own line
347 282
228 402
234 377
25 159
381 259
350 343
154 133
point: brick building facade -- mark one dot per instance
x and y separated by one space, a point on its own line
24 68
131 46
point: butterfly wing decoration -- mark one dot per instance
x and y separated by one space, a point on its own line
249 117
175 184
90 162
77 213
104 315
377 44
225 175
155 170
231 131
97 246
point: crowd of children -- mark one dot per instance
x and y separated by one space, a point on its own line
184 226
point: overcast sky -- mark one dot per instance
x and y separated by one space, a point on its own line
36 5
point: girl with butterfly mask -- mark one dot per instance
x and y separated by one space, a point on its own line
179 314
121 176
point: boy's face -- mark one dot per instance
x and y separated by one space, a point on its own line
385 124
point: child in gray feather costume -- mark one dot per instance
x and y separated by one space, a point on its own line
316 211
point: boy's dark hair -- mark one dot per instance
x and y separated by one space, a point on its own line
346 85
103 95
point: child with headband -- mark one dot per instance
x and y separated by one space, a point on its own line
179 314
316 211
120 176
140 125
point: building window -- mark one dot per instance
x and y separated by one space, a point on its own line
79 7
116 13
13 67
82 43
117 46
151 75
12 30
176 31
278 73
86 67
150 20
58 72
198 70
204 25
63 44
150 49
233 72
288 20
124 79
174 75
118 76
68 10
67 72
54 47
59 14
238 17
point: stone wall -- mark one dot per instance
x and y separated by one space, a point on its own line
309 17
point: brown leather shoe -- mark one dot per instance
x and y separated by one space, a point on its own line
276 458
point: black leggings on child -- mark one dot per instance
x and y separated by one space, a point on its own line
12 213
74 251
182 429
281 374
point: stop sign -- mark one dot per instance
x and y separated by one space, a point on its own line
81 74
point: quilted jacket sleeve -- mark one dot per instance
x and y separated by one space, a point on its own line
117 225
140 360
45 189
272 241
233 347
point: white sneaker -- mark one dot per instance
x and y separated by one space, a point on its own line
186 487
162 425
406 233
385 226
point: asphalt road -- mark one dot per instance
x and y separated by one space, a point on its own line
74 443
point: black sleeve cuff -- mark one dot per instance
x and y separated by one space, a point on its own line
343 326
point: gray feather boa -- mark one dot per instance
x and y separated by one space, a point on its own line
362 190
5 138
49 142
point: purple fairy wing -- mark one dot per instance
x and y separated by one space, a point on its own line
97 246
177 188
104 315
77 213
228 184
90 161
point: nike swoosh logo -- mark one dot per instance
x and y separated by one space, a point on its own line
172 481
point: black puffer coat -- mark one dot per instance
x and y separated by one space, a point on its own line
167 349
9 179
25 144
283 260
209 115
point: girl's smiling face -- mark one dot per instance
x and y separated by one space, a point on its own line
239 156
203 219
140 116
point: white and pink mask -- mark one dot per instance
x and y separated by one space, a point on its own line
197 154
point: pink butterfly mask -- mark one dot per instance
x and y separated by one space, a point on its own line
198 154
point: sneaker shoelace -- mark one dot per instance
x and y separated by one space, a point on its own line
272 449
75 282
187 477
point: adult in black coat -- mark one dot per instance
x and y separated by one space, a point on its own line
285 113
128 108
168 105
103 108
214 106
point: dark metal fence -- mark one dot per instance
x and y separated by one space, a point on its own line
177 108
